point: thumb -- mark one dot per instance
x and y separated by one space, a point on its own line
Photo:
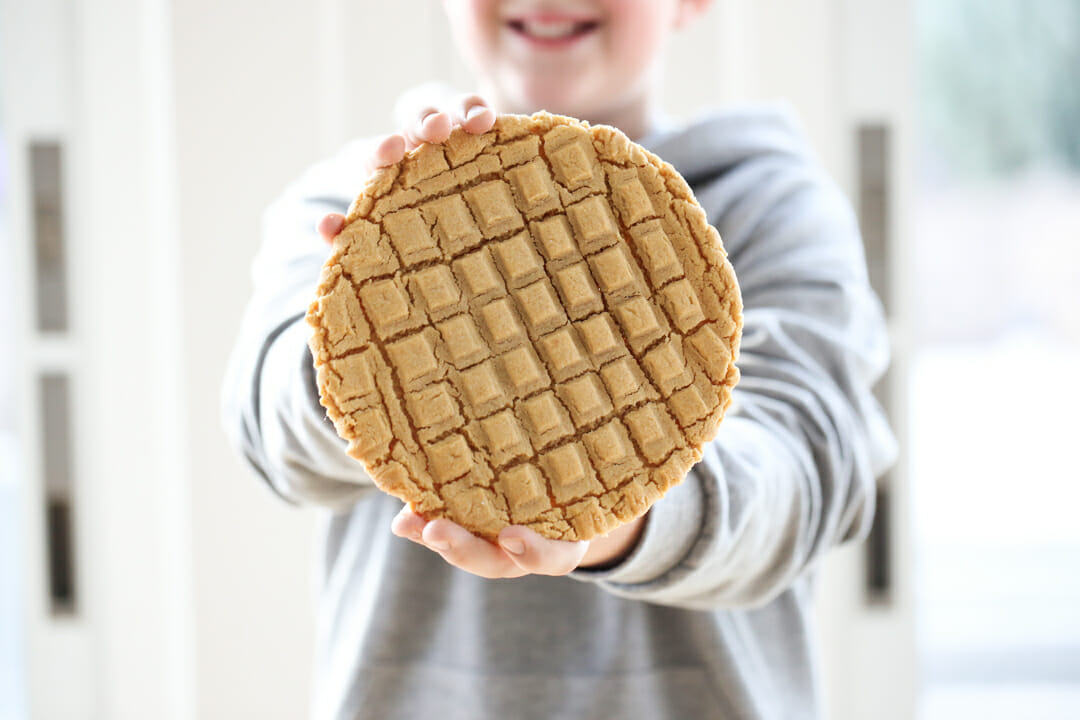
330 225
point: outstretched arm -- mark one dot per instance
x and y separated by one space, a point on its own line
791 472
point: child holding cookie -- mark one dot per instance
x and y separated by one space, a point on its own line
702 607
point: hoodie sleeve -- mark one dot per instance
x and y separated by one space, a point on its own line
791 472
270 407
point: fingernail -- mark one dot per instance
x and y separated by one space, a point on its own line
514 546
475 111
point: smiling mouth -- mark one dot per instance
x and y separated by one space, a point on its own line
552 31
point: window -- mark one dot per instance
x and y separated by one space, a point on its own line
995 387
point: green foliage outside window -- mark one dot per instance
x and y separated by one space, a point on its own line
1001 84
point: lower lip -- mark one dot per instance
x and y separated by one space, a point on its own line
545 43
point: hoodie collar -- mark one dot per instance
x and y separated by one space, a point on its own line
722 138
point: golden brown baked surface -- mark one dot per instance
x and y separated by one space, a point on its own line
533 326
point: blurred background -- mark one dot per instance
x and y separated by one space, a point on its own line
144 572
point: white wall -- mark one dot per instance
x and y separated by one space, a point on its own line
246 105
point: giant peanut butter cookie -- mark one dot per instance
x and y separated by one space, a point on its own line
533 326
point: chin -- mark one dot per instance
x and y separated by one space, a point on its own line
560 99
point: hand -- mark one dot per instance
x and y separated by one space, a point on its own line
519 550
433 125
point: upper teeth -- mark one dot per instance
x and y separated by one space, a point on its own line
559 29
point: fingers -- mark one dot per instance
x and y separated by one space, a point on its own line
539 555
408 525
387 151
456 545
432 126
464 550
330 225
520 551
474 114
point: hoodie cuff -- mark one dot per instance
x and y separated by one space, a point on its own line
672 526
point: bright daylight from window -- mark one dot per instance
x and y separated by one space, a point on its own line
994 385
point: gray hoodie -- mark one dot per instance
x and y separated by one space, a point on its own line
711 615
